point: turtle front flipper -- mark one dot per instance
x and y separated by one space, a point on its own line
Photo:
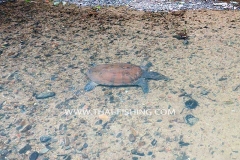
154 76
142 82
90 86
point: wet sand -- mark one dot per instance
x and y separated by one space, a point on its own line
45 54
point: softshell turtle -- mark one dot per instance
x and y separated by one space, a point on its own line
121 74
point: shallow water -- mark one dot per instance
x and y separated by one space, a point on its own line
46 51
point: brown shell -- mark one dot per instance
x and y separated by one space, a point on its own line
115 74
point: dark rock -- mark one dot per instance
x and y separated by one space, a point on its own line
185 42
190 119
85 145
190 85
191 104
135 152
181 143
119 135
2 133
150 153
132 138
154 142
204 92
105 125
98 122
183 157
234 89
3 152
111 99
134 158
33 156
45 95
13 75
26 148
63 127
22 108
222 79
67 157
26 128
43 151
44 139
53 77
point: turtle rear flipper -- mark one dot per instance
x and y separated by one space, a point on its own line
143 84
90 86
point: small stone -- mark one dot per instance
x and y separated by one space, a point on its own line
132 138
26 128
190 119
24 149
53 77
99 122
191 104
85 145
181 143
63 127
68 147
135 152
44 139
185 42
222 79
22 108
191 85
1 104
150 153
33 156
154 142
66 141
234 89
43 151
45 95
111 99
134 158
204 92
67 157
84 156
3 153
119 135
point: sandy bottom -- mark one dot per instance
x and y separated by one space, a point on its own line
45 52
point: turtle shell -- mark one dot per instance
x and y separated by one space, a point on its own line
115 74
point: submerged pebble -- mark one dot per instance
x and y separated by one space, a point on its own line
85 145
154 142
33 156
44 139
135 152
191 104
181 143
3 152
43 151
24 149
190 119
132 138
44 95
26 128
